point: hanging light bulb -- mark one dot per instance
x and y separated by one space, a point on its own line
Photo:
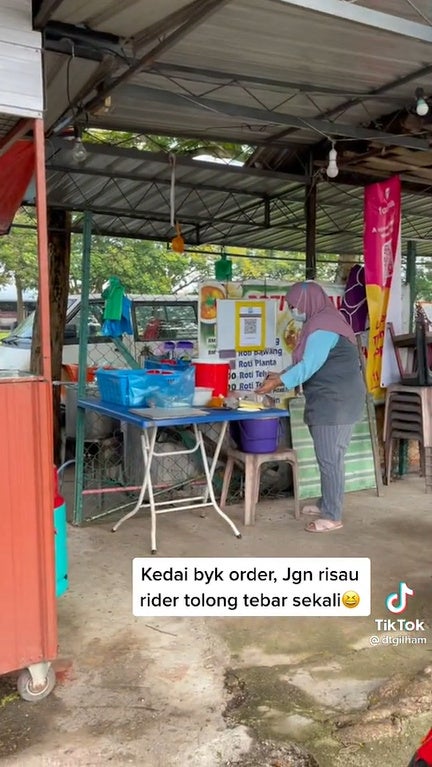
332 169
79 152
422 107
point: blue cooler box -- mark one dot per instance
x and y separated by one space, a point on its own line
61 552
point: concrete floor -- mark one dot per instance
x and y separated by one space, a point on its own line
211 693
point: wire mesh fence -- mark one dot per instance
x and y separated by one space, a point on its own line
110 465
112 459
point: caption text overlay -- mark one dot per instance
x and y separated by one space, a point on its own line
207 587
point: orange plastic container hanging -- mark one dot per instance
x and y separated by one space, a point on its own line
177 243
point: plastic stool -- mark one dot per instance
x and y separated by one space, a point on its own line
252 463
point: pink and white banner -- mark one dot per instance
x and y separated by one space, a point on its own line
382 246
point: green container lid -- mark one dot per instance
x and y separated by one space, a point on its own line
223 269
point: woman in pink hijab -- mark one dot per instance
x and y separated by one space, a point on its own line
326 363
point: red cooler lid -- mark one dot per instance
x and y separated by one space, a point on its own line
58 499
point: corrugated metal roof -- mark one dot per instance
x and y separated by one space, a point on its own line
128 193
7 124
416 11
271 74
279 49
65 77
124 19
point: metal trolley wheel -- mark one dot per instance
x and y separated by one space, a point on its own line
32 694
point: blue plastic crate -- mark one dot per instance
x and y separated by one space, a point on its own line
173 387
123 387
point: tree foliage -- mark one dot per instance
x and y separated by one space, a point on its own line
18 259
182 146
147 267
423 282
143 267
277 265
17 255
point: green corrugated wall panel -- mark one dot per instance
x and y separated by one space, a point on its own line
359 464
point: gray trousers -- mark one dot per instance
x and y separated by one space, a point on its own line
331 444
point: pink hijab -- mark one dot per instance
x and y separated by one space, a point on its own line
321 314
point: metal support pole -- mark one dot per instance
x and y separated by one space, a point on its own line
411 279
42 233
310 216
82 369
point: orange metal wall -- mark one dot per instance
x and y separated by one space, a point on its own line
28 631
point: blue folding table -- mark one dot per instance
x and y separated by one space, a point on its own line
149 431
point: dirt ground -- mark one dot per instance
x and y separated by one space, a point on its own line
234 692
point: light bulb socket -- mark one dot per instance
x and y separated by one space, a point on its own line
332 170
79 152
422 107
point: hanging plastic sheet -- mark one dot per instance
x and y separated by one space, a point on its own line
16 170
354 303
113 295
423 756
117 311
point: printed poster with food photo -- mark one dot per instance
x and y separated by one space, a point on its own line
249 368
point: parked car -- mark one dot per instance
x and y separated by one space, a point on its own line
155 320
9 306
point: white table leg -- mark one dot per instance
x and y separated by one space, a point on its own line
147 447
148 444
209 472
218 447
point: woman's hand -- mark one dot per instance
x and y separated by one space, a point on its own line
272 382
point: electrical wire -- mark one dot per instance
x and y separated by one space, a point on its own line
172 159
420 13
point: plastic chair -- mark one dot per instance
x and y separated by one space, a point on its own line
418 352
252 463
408 416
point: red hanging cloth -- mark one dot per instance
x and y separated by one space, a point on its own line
423 756
16 171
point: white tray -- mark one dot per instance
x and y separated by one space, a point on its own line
168 412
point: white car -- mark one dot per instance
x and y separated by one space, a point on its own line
159 323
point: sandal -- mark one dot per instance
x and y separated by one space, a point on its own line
311 511
323 525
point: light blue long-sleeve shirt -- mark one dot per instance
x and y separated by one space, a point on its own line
317 349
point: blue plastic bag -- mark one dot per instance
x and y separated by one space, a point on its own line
123 326
172 389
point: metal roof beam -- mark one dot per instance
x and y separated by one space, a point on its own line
108 231
358 14
322 127
19 130
202 9
107 13
164 25
94 172
54 145
230 78
47 8
110 122
151 215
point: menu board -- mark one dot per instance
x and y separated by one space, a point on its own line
250 366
